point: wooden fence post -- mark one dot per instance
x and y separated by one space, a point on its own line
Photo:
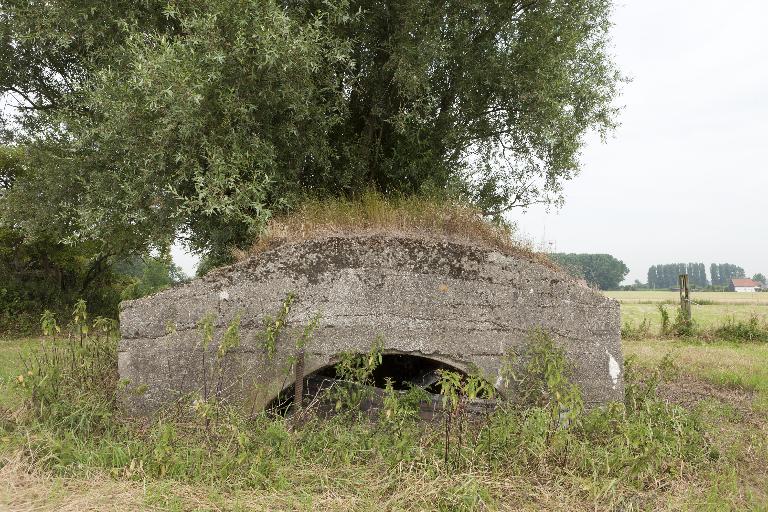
298 384
685 297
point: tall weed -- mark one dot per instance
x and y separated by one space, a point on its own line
630 331
72 379
740 330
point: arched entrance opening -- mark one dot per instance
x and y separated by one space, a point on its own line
404 371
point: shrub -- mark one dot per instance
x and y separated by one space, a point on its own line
682 327
631 332
664 319
740 330
72 379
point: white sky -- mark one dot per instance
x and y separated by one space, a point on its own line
683 179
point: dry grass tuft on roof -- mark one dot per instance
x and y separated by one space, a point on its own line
408 217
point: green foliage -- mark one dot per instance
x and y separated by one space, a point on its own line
666 276
41 273
274 326
722 327
231 337
722 273
143 120
309 330
148 275
50 49
399 410
72 381
639 387
80 317
546 381
48 324
601 270
630 331
683 327
639 444
355 374
205 326
760 278
740 330
665 327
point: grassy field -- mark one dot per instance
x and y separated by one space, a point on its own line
722 385
655 296
12 351
709 308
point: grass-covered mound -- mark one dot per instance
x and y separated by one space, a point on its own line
413 217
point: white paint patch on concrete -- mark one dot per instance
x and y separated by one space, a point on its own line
223 295
614 370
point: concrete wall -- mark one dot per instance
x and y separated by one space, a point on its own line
455 303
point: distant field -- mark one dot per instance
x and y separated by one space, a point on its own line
709 308
707 297
732 365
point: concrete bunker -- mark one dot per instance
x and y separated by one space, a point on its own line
435 302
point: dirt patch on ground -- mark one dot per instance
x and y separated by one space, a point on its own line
689 391
734 418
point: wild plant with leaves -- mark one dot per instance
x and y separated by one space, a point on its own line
355 373
73 375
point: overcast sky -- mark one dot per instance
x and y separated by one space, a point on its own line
683 178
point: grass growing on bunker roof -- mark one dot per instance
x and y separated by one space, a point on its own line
411 217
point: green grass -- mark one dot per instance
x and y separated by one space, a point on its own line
725 382
655 296
12 351
732 365
724 385
705 316
714 309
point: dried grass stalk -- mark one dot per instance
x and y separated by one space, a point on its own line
411 218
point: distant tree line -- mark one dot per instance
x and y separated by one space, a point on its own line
601 270
666 275
722 273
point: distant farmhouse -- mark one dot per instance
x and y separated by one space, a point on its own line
744 285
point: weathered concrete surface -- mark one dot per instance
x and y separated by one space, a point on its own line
451 302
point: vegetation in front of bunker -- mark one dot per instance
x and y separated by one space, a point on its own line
70 381
732 329
71 425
